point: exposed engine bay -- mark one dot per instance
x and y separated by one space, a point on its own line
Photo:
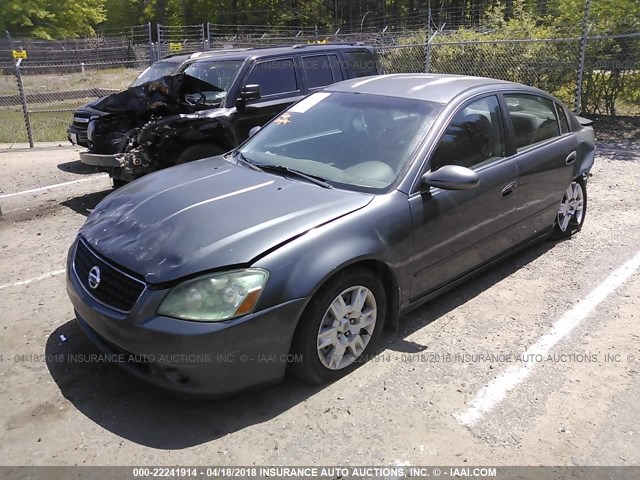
141 123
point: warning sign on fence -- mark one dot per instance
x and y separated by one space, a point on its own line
175 47
20 54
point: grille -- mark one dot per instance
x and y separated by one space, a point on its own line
80 120
116 289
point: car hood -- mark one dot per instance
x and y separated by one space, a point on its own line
161 96
206 215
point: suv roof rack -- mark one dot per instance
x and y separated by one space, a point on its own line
305 45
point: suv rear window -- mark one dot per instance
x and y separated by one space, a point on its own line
360 63
274 76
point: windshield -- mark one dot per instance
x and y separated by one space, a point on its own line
354 141
155 71
220 73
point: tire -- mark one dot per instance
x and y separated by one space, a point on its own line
572 210
117 183
196 152
323 365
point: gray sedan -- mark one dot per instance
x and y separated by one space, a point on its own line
295 250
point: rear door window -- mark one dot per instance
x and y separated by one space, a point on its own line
533 118
274 77
564 123
321 70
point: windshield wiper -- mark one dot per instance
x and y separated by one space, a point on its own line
292 171
239 157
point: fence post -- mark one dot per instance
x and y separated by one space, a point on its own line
23 100
159 41
150 35
577 106
427 48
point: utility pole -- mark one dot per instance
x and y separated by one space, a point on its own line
583 52
384 14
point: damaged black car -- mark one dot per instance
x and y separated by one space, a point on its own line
211 105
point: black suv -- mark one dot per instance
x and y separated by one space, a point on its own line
212 104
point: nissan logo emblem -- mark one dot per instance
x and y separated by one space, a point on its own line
94 277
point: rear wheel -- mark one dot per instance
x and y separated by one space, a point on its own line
572 210
339 327
196 152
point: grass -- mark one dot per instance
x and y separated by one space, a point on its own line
114 78
49 121
46 127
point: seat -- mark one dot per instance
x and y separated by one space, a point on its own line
466 142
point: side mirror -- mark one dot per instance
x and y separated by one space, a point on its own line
249 92
254 130
451 177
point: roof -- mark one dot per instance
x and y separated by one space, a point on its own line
420 86
242 53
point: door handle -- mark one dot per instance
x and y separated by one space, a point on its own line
508 190
571 158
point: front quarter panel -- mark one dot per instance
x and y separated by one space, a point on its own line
381 231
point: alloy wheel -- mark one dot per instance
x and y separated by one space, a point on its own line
571 207
346 327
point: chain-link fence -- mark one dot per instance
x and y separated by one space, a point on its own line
611 87
73 73
547 64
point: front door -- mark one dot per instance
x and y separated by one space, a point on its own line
458 230
280 86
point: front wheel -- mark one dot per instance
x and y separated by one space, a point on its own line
196 152
339 327
572 210
117 183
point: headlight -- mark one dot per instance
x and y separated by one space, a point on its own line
216 297
91 128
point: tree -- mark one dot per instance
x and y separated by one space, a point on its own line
121 13
49 19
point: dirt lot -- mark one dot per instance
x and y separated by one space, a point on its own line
578 407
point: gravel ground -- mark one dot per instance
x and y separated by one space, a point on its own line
580 409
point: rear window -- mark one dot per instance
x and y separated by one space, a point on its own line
360 63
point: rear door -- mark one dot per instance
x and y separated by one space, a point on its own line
545 152
320 70
457 230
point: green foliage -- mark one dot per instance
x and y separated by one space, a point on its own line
605 16
547 65
51 18
123 13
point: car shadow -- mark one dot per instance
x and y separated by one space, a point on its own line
78 167
142 414
440 306
84 204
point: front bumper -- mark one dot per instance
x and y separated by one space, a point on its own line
100 160
194 359
78 136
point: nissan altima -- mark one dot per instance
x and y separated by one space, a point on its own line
296 249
